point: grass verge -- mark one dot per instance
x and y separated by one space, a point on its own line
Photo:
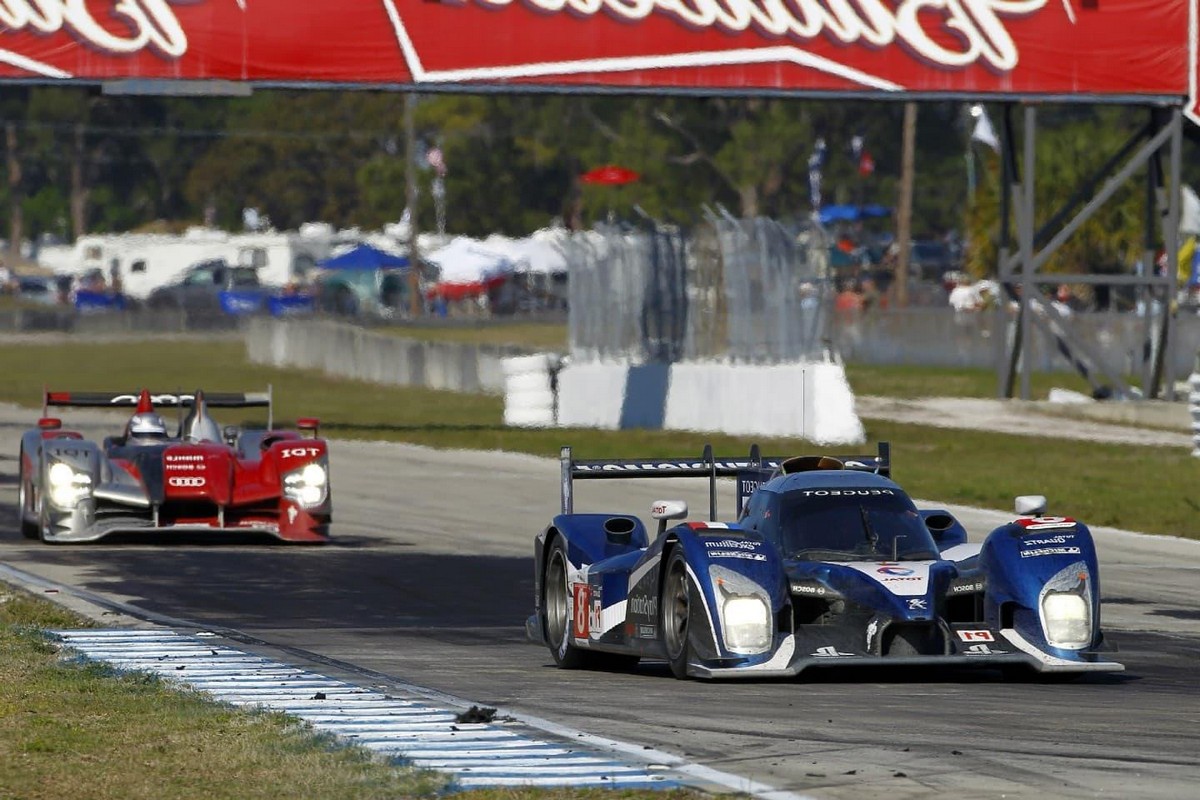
1141 488
79 729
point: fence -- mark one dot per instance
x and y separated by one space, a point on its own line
754 290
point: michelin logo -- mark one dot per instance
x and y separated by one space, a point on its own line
1050 551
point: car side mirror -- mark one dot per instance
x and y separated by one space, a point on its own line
663 510
309 425
1031 505
50 423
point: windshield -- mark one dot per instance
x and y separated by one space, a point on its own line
853 525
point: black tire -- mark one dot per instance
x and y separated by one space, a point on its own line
28 529
675 613
556 608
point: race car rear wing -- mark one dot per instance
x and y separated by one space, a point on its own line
749 472
160 400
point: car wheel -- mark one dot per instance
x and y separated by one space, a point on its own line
557 607
675 610
28 529
556 602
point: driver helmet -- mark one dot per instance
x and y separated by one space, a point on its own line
147 426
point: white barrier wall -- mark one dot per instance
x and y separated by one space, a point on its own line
811 401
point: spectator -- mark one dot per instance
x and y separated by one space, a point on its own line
849 299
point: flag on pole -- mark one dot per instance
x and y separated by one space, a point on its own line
984 132
436 159
866 164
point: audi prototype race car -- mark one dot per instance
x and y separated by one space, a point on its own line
829 564
201 479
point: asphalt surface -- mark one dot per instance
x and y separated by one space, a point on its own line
430 578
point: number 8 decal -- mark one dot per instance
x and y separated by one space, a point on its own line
581 600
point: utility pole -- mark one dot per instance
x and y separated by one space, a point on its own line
411 195
904 202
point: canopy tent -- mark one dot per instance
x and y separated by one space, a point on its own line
851 213
469 268
533 254
364 256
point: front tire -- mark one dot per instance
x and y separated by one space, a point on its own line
675 610
28 529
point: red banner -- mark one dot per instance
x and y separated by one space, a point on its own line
974 47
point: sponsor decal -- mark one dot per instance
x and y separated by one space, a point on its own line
185 467
647 631
983 650
742 554
1046 523
156 399
806 588
595 627
829 652
976 636
1050 551
966 588
581 595
292 514
186 482
658 508
845 492
887 570
180 458
1062 538
917 604
644 606
727 543
300 452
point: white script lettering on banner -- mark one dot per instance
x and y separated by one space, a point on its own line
129 26
978 31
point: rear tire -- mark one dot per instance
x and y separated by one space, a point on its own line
557 608
675 610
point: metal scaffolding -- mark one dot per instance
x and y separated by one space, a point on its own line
1019 272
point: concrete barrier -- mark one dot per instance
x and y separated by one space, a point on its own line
352 352
812 401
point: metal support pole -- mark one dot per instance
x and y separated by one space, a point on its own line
1011 340
1025 238
411 195
1166 345
1145 294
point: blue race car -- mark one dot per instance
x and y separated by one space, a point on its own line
829 564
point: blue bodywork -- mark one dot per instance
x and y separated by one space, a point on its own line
850 572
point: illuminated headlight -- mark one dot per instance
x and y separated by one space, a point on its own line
308 486
747 625
1067 618
67 487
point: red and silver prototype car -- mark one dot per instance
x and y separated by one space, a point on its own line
199 478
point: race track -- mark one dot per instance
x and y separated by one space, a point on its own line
430 579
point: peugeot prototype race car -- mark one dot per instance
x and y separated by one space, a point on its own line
829 564
200 479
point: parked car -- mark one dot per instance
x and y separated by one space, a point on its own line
216 286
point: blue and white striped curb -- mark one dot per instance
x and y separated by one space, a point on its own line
396 724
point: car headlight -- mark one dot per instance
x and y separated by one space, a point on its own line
745 611
1067 619
67 487
747 624
308 486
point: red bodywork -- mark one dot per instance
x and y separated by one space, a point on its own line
209 484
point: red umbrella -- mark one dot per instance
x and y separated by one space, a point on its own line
610 175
